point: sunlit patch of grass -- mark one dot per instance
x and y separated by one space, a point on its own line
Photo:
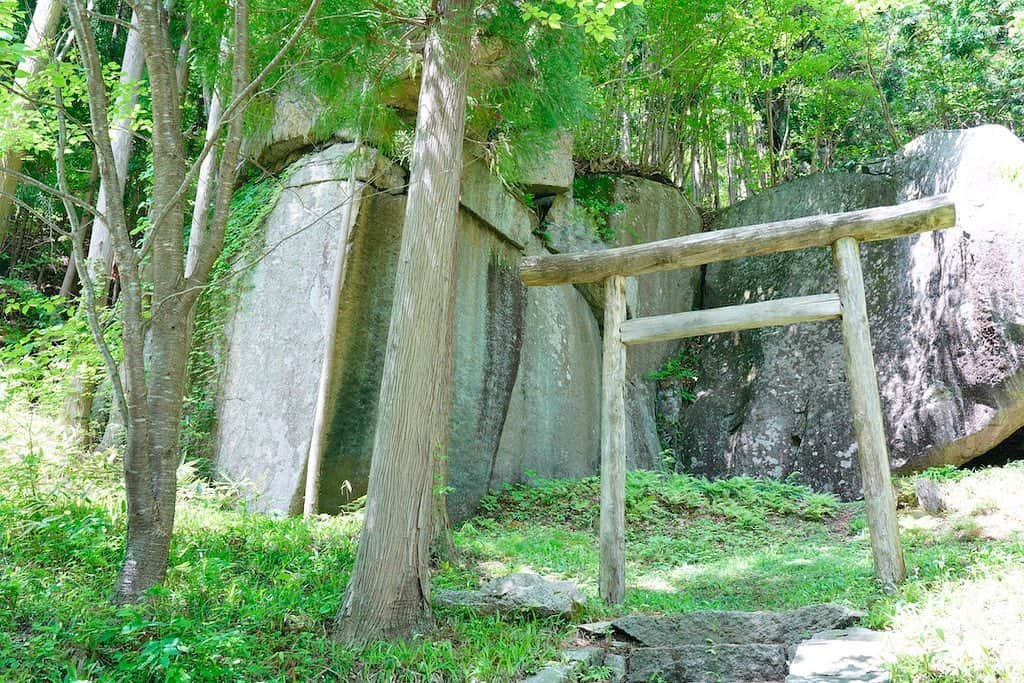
965 629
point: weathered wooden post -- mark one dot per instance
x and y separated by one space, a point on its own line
613 445
867 416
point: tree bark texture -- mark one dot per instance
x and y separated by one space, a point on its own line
41 31
388 596
155 371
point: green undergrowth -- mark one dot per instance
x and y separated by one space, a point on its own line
251 597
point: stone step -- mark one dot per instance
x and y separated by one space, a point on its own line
758 662
726 627
847 656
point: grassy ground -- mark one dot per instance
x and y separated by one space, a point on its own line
251 597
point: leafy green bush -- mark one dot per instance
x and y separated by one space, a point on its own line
44 345
653 497
593 195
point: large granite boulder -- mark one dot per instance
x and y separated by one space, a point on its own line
637 210
277 332
550 170
527 364
947 319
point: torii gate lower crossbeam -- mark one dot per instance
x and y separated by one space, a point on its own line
842 232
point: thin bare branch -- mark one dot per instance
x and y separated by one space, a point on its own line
227 171
240 100
49 189
36 214
110 19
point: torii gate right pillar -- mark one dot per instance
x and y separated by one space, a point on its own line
873 454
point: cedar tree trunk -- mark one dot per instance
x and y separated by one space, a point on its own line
388 596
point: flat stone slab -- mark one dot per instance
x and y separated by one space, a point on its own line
727 627
708 663
522 592
596 628
845 656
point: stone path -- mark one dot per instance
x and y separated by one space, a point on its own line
809 645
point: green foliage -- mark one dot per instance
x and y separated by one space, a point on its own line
727 98
248 597
253 597
944 473
594 196
43 344
593 16
678 367
653 497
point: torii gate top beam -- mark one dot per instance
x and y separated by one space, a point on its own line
869 225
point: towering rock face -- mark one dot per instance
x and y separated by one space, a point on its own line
639 210
652 211
277 333
527 363
947 322
963 350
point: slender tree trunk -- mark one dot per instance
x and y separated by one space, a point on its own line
388 595
208 169
67 287
100 259
41 32
182 70
715 186
204 186
318 437
151 463
150 396
101 248
696 179
770 133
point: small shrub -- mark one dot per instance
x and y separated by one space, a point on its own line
593 195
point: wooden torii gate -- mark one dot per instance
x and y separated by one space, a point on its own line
843 232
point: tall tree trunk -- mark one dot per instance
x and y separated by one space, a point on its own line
67 287
41 32
101 248
204 186
769 125
388 595
696 178
150 489
151 394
